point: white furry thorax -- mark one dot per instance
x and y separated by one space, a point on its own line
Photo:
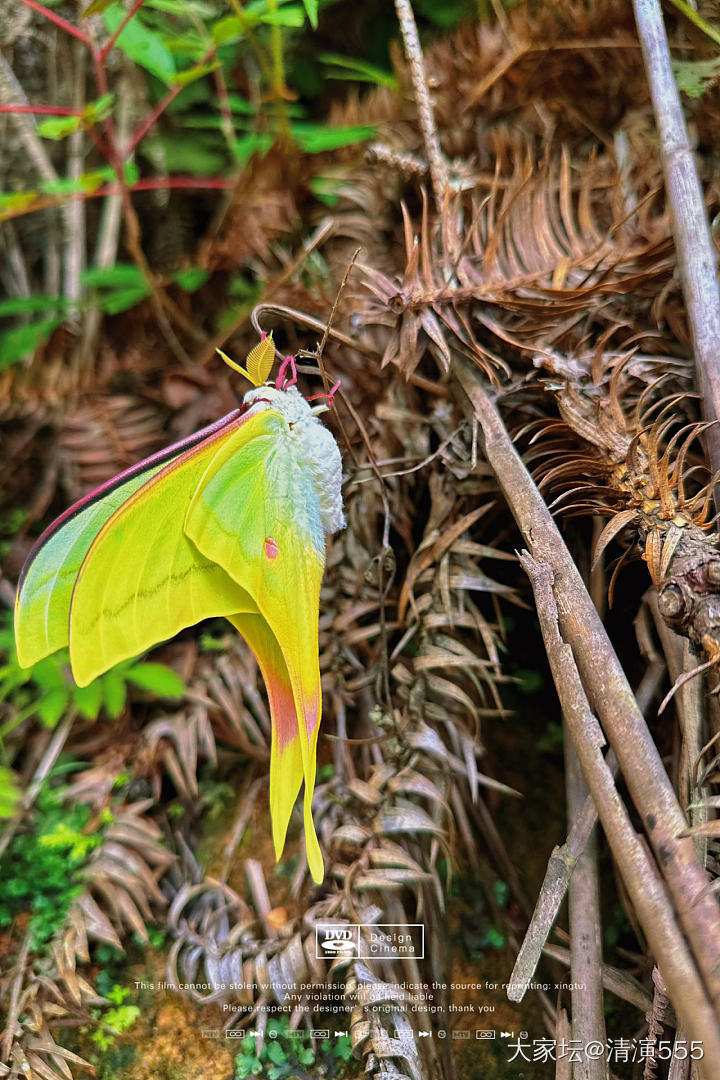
314 446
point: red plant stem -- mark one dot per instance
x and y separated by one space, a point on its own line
58 20
41 110
162 183
111 43
161 107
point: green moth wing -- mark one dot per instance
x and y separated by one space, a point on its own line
42 607
142 579
257 514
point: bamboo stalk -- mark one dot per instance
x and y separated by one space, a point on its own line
608 689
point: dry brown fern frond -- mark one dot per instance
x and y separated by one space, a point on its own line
99 440
42 995
173 744
535 257
121 878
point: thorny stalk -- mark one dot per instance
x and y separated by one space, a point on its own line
649 896
697 263
609 692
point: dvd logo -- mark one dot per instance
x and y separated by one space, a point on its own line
337 941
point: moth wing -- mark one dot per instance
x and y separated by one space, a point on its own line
42 605
286 769
142 579
257 515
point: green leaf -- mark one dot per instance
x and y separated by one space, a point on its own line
184 8
316 138
144 46
99 109
125 282
132 172
191 279
88 699
258 143
292 15
64 185
446 14
228 29
124 275
326 189
122 300
22 304
158 679
91 181
9 793
13 201
96 8
52 706
358 70
343 1048
177 153
58 127
16 344
182 78
311 7
240 104
114 693
276 1053
695 17
695 77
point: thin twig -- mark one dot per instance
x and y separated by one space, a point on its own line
588 1022
614 980
689 704
413 52
74 253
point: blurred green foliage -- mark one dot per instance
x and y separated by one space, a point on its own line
46 690
189 52
40 868
285 1055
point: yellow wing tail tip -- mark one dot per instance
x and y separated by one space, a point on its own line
312 848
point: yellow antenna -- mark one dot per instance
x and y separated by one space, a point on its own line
259 361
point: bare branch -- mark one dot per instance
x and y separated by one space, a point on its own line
648 894
413 52
608 688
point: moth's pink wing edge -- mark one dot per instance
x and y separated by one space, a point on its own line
167 454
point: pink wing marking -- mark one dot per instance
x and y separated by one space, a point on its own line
271 548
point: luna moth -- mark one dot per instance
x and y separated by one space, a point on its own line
230 522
